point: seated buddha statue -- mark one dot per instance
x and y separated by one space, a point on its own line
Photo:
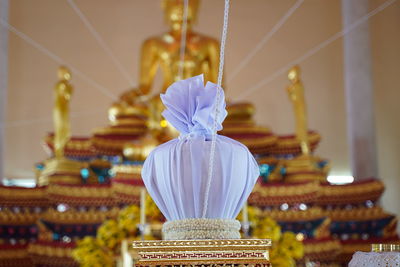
162 52
137 113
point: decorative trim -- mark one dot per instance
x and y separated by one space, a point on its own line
251 252
201 229
80 191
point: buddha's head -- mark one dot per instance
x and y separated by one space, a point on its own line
294 74
63 73
173 11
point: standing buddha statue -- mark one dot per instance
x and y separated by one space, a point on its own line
296 95
63 92
60 168
303 167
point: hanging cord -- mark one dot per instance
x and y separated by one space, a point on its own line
265 81
45 120
59 60
216 108
183 39
264 40
101 42
313 51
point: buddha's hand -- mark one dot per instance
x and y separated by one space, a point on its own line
130 96
134 95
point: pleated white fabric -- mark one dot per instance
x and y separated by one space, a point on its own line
175 173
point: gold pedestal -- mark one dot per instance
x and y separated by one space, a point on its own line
250 252
303 168
61 170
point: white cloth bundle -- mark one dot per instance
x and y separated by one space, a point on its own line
176 172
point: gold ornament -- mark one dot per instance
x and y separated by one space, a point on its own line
63 92
163 53
140 149
304 162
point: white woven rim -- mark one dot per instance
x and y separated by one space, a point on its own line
202 228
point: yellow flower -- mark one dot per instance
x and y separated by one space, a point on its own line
280 258
267 228
84 247
131 212
128 219
90 254
109 235
252 213
152 212
290 244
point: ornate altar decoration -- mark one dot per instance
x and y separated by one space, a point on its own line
380 255
250 252
90 193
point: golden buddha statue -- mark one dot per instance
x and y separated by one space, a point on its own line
62 130
60 168
296 95
162 53
303 167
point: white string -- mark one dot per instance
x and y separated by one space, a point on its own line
73 115
101 42
57 59
264 40
314 50
245 93
183 38
216 108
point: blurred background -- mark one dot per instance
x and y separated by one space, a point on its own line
124 24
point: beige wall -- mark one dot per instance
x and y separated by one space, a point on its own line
385 29
124 24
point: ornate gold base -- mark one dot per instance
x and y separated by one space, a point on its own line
250 252
64 170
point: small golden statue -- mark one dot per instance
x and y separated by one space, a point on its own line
296 95
62 130
60 168
303 167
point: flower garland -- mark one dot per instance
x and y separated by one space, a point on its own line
286 248
102 249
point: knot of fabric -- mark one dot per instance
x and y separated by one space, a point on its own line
190 106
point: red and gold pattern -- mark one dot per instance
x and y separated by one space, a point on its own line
12 196
357 192
111 140
83 194
76 147
323 249
14 256
52 254
289 145
274 194
356 213
73 216
127 183
201 252
258 139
